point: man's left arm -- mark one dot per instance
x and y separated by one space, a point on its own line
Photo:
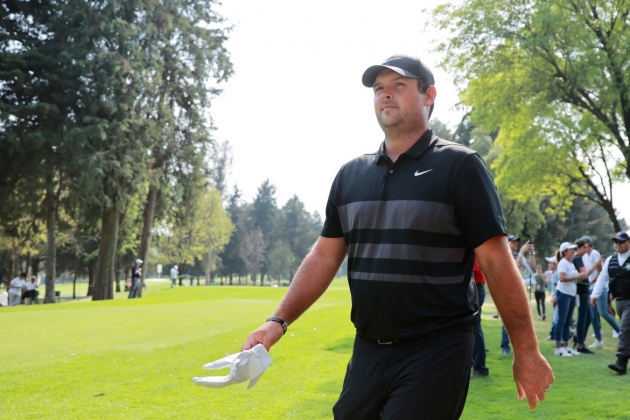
531 371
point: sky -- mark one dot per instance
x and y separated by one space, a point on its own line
295 109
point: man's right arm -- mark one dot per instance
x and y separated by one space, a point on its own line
311 280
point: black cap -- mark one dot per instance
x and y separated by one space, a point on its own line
404 65
621 236
513 238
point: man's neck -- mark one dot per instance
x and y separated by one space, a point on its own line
397 143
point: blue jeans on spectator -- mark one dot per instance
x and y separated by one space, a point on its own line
479 348
554 321
566 304
602 308
596 322
584 318
505 339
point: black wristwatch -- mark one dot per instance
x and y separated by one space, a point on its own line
281 322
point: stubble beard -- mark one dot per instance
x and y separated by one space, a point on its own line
400 125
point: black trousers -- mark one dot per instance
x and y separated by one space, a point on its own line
419 379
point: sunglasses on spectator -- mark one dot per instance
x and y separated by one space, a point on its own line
619 242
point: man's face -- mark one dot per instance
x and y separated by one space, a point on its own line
399 103
622 246
580 250
551 266
514 246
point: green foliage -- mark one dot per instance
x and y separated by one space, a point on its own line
550 76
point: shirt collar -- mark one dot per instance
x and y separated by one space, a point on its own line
415 151
623 256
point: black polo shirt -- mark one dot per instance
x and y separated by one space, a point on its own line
410 228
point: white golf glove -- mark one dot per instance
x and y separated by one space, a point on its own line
250 364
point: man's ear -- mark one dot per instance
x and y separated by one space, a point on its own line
430 96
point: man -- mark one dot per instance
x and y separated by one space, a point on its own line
584 310
590 258
174 274
524 266
15 289
31 291
616 269
411 218
136 274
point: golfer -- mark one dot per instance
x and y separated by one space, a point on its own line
411 218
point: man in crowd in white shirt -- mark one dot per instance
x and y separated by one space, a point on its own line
15 289
174 274
31 293
616 270
590 258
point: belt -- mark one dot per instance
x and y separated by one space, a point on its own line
458 327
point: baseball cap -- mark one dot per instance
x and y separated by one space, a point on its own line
513 238
621 236
405 65
587 239
567 245
551 259
138 261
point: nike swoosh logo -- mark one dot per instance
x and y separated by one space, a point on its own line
421 173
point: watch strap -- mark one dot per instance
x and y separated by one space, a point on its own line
281 322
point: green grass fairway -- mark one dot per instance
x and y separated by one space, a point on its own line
135 359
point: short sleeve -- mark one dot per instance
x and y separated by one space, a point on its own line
332 225
578 262
478 207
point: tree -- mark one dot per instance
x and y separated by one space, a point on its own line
252 251
230 257
265 215
551 75
184 51
39 90
215 229
281 260
297 231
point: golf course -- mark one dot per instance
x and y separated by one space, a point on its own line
134 359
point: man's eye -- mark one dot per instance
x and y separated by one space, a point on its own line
376 89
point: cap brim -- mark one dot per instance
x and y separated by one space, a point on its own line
369 76
550 259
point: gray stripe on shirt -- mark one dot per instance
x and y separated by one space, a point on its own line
427 216
404 278
407 252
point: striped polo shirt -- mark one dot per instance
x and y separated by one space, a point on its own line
410 228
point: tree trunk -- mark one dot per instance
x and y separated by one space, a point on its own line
51 257
611 213
35 265
145 241
74 280
91 270
105 267
12 261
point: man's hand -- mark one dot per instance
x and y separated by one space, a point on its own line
527 247
267 334
594 300
533 377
